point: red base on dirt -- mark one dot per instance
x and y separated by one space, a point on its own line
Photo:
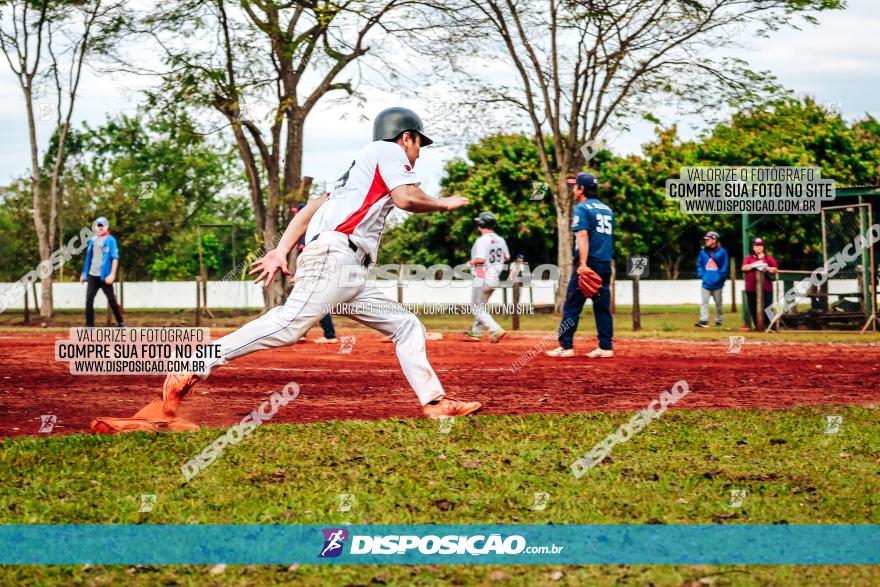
368 383
150 418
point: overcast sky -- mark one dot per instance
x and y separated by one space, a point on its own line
836 61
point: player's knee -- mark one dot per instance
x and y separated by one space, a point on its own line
410 326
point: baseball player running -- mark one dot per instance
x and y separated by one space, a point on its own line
489 256
342 235
593 226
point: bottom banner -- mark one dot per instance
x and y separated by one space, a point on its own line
439 544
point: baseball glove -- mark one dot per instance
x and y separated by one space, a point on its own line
589 282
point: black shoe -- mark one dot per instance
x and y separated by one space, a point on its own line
122 325
702 324
718 324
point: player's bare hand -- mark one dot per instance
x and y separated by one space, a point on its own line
82 279
268 266
581 269
109 280
453 202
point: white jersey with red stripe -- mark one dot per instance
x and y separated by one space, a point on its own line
360 201
492 249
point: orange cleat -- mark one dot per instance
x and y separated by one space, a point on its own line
175 387
450 407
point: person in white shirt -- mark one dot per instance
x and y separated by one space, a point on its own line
342 231
489 257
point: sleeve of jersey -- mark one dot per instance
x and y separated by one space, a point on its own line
479 250
581 219
395 169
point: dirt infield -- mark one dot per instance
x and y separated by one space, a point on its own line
368 384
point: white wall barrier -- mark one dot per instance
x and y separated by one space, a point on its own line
243 294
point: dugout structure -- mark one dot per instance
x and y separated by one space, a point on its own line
848 301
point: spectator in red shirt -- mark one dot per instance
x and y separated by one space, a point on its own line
758 261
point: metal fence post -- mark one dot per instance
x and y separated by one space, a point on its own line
636 310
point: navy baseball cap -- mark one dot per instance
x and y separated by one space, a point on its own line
102 221
588 181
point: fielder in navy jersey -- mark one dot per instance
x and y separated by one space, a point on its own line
593 227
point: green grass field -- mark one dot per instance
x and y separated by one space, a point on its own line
679 470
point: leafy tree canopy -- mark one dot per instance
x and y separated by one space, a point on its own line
499 173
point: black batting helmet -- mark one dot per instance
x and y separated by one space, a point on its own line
486 220
392 121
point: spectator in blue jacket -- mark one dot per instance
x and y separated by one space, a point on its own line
102 261
713 265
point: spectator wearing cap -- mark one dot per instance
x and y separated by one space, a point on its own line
99 272
758 261
713 264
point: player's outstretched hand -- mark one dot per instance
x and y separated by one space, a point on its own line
267 266
453 202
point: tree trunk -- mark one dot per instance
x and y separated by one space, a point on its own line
563 239
43 241
676 267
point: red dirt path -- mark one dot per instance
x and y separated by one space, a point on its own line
368 384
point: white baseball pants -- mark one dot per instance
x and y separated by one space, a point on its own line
480 295
329 274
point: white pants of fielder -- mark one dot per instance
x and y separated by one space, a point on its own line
329 274
480 294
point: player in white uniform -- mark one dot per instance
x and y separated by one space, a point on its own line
489 256
342 239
